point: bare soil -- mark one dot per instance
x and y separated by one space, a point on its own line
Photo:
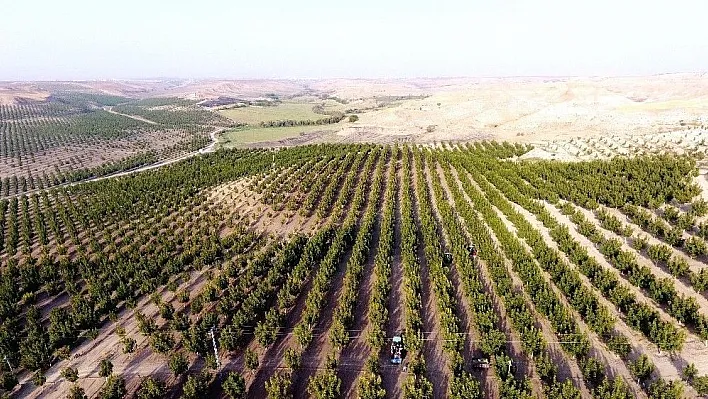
513 344
435 360
567 367
613 364
668 366
393 377
680 285
355 353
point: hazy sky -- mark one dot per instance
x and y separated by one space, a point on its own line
71 39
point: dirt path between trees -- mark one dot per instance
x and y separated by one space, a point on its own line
526 365
435 360
567 367
355 353
393 377
669 367
464 309
613 364
135 117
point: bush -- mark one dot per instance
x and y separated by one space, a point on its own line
699 207
128 345
235 386
370 384
464 386
325 385
71 374
690 372
250 360
640 243
666 390
353 118
39 378
162 342
695 246
678 266
700 384
76 392
151 388
105 368
178 363
278 386
293 358
114 388
8 381
642 368
197 386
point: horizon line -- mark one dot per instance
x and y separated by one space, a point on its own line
161 79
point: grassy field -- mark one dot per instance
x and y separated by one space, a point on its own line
240 136
290 110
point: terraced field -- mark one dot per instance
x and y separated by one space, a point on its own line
285 273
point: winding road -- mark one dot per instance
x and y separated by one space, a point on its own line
205 150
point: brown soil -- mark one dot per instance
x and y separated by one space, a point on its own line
527 366
680 285
669 367
613 364
354 354
392 376
435 360
567 367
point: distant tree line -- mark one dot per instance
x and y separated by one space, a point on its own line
306 122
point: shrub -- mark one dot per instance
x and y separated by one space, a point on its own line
151 388
642 368
71 374
114 388
278 386
235 386
178 363
250 359
197 386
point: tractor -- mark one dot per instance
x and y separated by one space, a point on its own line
398 351
472 250
479 363
447 259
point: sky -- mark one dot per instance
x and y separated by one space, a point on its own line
235 39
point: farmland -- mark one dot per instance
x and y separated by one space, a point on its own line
272 136
75 136
284 111
157 246
303 262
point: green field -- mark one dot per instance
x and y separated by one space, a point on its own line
240 136
254 115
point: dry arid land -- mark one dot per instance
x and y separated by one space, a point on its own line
539 110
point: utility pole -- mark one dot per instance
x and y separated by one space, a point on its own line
216 351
